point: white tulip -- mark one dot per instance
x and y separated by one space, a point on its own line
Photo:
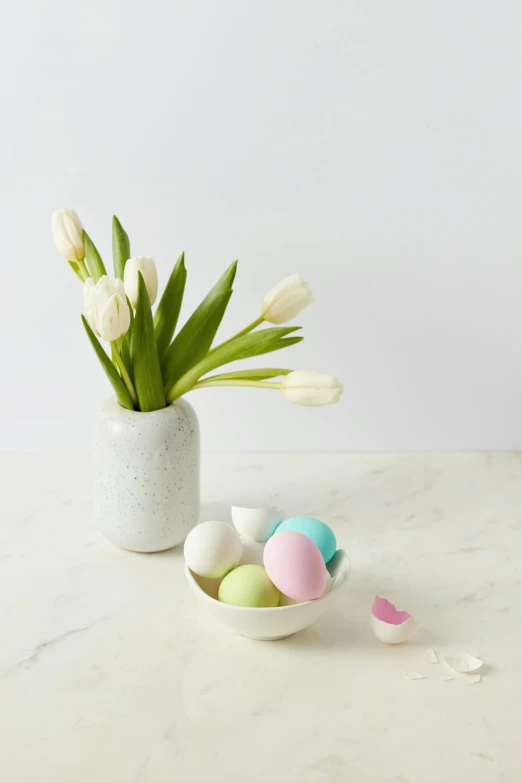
106 308
311 388
147 267
68 234
286 300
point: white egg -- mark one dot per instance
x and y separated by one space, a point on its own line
256 524
212 549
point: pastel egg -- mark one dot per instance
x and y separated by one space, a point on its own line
255 524
248 585
295 565
285 600
212 549
322 536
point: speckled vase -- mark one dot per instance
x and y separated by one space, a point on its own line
146 475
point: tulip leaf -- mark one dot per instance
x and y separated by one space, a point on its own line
254 344
120 247
93 259
193 341
257 374
112 373
146 368
167 312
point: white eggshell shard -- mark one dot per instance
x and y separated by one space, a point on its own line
472 679
256 524
463 663
390 625
414 676
430 656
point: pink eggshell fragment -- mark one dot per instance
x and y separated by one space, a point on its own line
390 625
383 610
295 565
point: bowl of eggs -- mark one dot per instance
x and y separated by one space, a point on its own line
265 578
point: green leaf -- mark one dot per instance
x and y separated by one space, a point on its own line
144 355
120 247
254 344
193 341
167 312
112 373
258 374
93 259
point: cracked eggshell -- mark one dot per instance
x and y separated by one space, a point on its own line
390 625
212 549
463 663
472 679
256 524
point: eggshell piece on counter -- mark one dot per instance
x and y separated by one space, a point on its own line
463 662
464 667
255 524
248 585
322 536
295 565
212 549
390 625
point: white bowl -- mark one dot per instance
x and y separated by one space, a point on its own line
273 623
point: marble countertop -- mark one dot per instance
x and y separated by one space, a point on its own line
109 674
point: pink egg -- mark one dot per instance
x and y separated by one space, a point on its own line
295 565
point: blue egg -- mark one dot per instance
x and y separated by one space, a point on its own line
321 534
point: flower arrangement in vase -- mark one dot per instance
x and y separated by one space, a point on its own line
146 439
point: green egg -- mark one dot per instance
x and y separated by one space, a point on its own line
248 585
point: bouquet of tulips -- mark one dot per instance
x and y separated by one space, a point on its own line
150 364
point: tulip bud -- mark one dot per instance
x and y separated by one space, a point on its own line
311 388
286 300
105 307
68 234
147 267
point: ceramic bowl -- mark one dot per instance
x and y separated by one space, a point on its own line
274 623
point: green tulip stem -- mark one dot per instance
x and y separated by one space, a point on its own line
124 374
246 330
83 270
79 269
253 384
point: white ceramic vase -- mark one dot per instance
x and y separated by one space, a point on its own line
146 475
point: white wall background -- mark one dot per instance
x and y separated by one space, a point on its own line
374 146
